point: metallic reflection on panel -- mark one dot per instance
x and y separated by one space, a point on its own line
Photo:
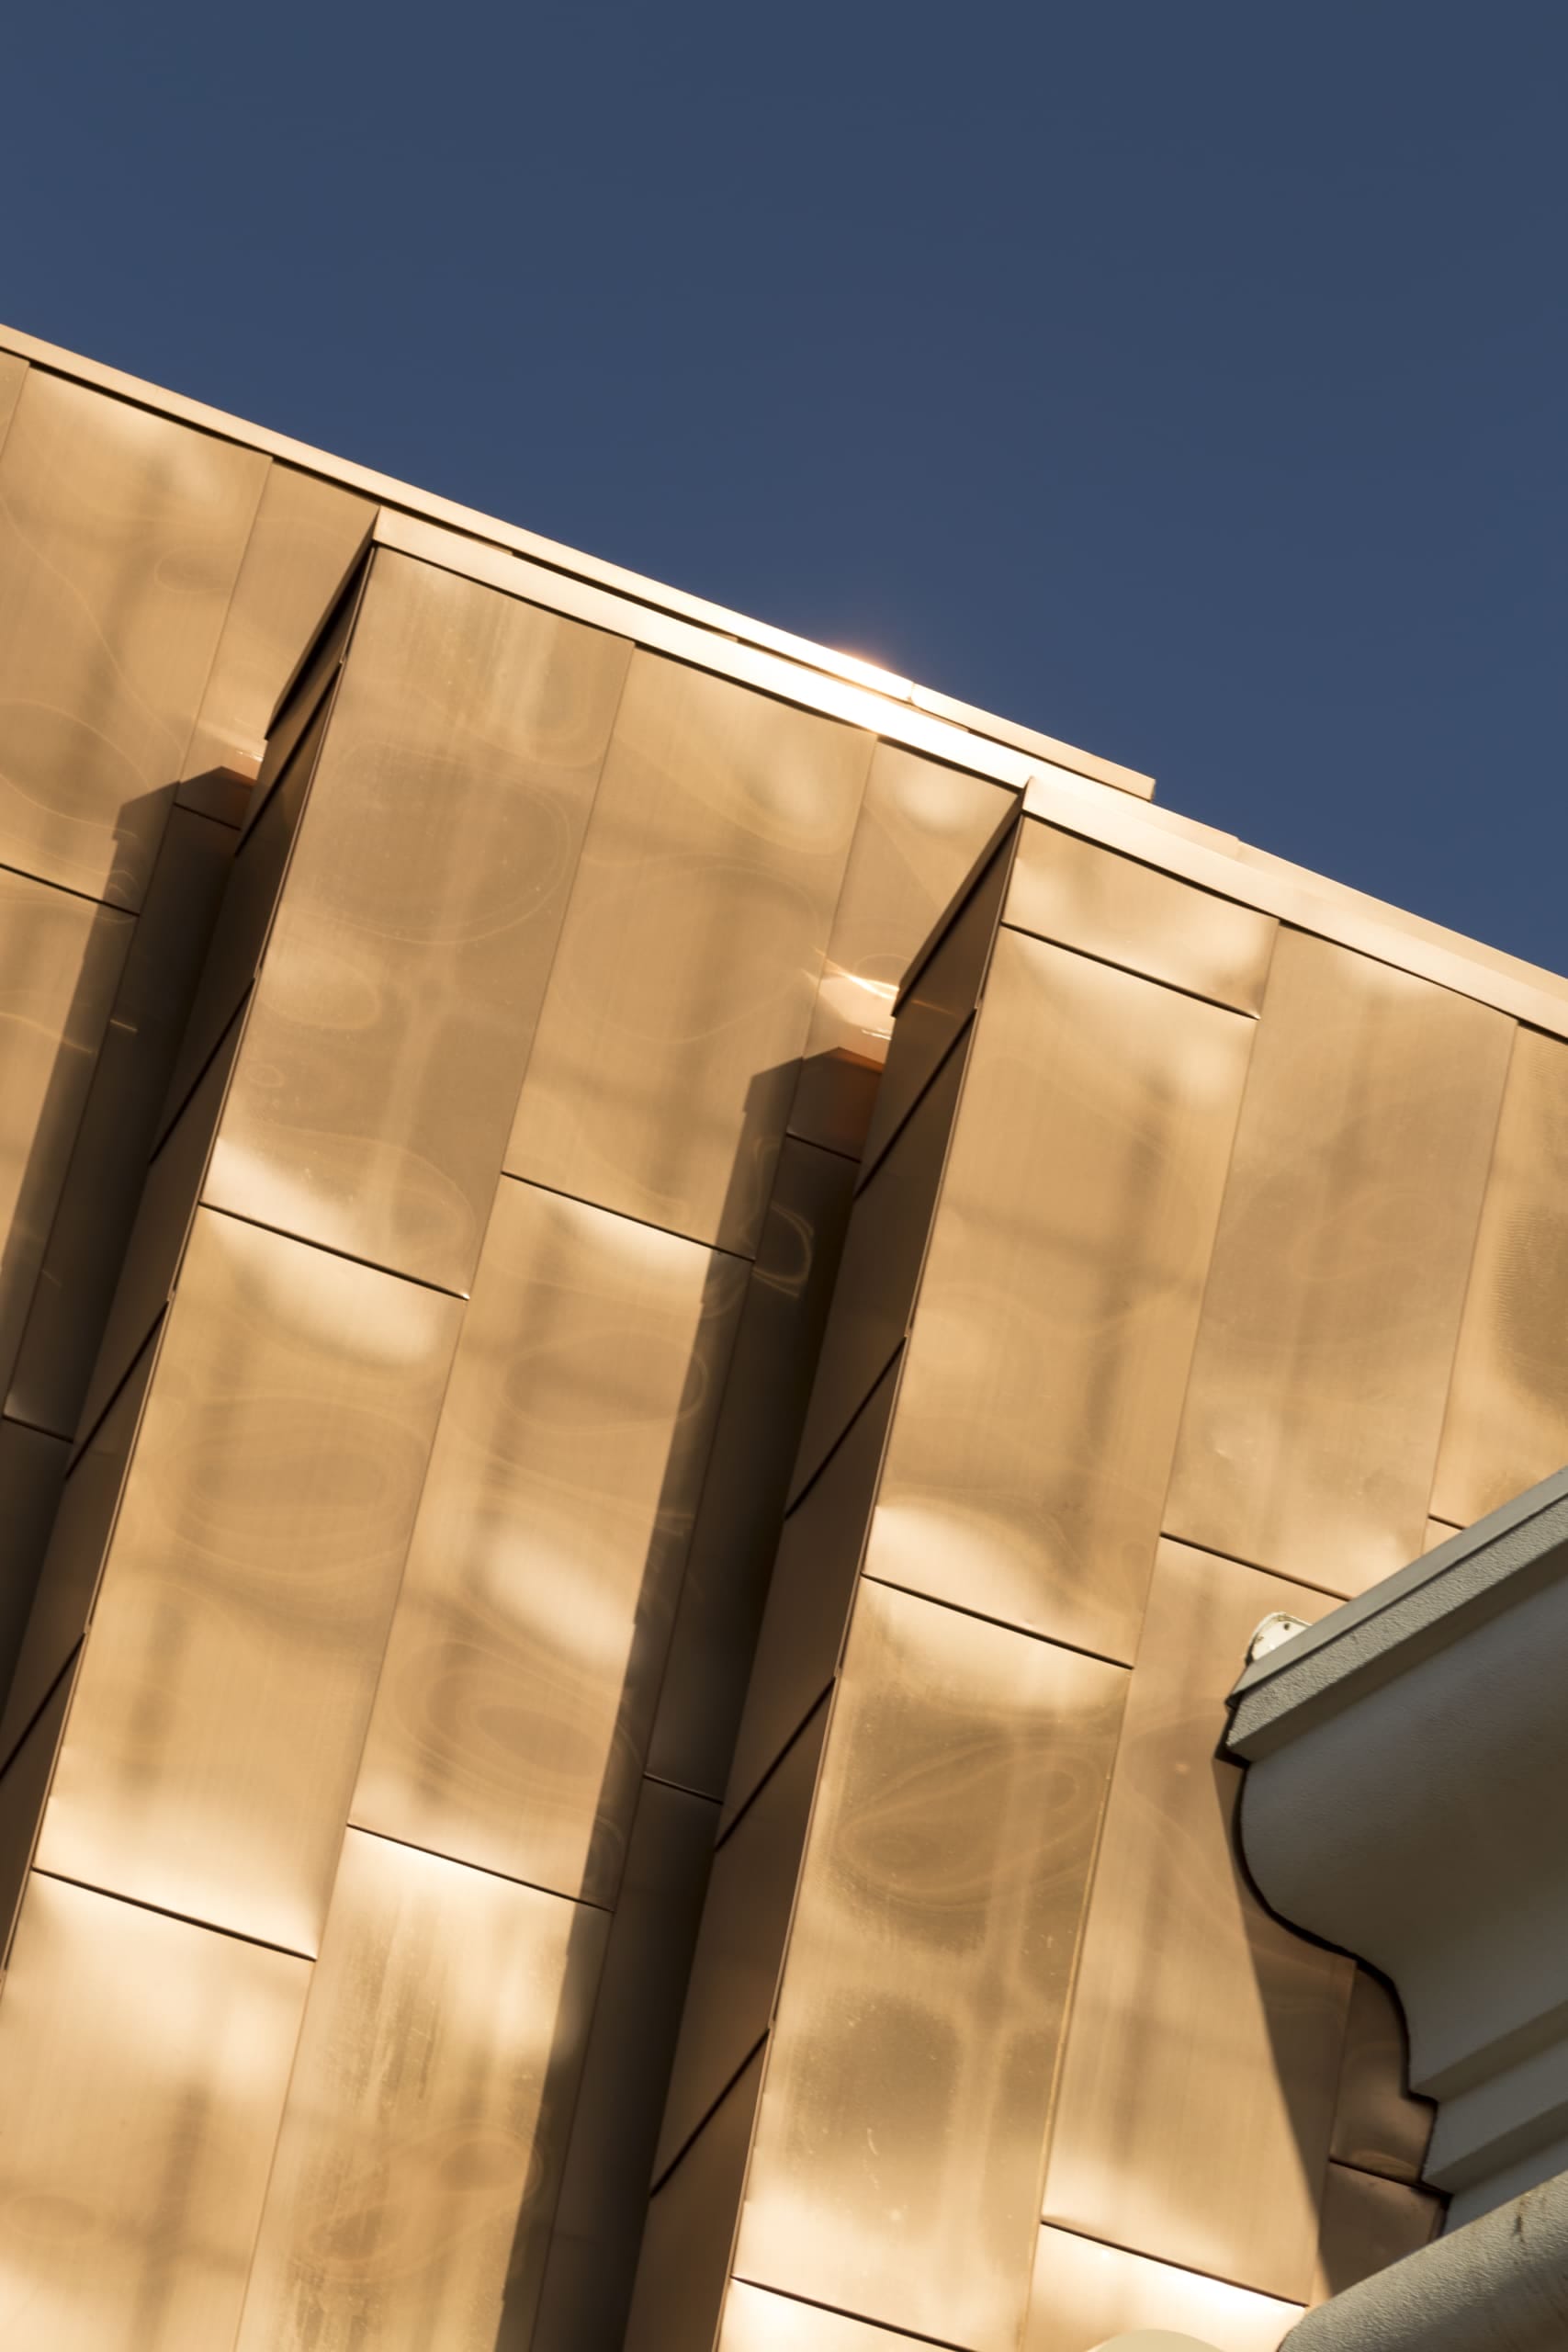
32 1469
315 676
896 2166
1378 2125
684 2268
1507 1417
1072 891
13 373
1311 1429
121 537
419 2155
1085 2294
745 1920
142 2068
1368 2223
61 960
1197 2094
232 1656
524 1657
755 2321
24 1785
1045 1374
690 957
392 1017
766 1397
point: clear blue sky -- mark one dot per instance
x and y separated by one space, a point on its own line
1185 376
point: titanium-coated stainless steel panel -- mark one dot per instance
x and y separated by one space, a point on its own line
922 828
1087 2295
591 2264
32 1470
24 1785
895 2170
765 1396
687 973
143 2067
121 537
393 1012
1197 2093
755 2321
1438 1531
740 1950
315 677
1378 2126
1508 1416
1043 1378
419 2155
811 1593
1310 1435
683 2267
879 1277
13 371
1071 890
514 1704
1367 2224
60 959
229 1672
98 1202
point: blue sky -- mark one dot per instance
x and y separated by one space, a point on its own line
1182 376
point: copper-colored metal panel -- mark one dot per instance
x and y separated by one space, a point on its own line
1086 2295
740 1950
60 959
143 2067
1508 1416
1367 2224
1318 1383
120 536
1378 2125
421 2148
592 2265
683 988
880 1274
755 2321
24 1785
97 1202
811 1593
896 2172
12 372
392 1017
315 677
514 1703
684 2268
922 828
232 1658
766 1397
1043 1379
1438 1531
32 1470
1072 891
1197 2093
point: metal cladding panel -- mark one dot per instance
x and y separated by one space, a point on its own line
143 2063
13 372
24 1785
1368 2223
61 960
228 1673
755 2321
895 2170
1378 2125
1071 890
1086 2295
665 1061
1197 2092
684 2268
421 2149
393 1012
922 828
32 1469
120 536
524 1657
1507 1417
1322 1368
1043 1379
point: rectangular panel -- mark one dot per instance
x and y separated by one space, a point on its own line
233 1651
421 2148
896 2173
1043 1379
314 677
765 1394
684 2268
1072 891
665 1061
143 2067
13 372
121 537
392 1017
1378 2124
1368 2223
1086 2295
32 1469
1508 1416
1197 2093
755 2321
1332 1308
524 1657
24 1785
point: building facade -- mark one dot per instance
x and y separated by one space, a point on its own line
670 1308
